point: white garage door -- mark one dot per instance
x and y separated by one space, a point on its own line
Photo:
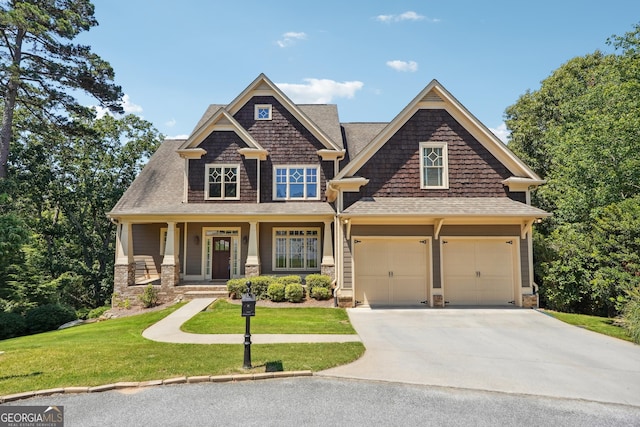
391 271
478 272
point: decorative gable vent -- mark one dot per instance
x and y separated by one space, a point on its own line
432 97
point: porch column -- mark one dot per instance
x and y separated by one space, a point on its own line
170 274
252 266
124 274
328 265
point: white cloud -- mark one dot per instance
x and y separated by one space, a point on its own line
320 91
501 132
405 16
288 39
171 123
128 107
411 66
178 137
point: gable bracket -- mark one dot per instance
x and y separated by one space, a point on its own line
437 226
525 228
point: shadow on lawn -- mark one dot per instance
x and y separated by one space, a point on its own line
274 366
32 374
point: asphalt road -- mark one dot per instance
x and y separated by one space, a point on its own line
318 401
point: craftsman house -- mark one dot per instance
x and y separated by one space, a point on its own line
430 208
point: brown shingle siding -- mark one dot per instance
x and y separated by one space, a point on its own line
394 171
286 140
222 148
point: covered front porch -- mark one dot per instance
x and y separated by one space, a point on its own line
196 256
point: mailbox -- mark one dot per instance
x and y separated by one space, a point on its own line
248 303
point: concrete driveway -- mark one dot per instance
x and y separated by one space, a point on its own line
506 350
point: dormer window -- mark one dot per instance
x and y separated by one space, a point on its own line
263 112
434 169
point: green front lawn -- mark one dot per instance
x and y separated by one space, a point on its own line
114 350
602 325
224 318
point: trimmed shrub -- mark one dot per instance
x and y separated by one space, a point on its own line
260 285
317 281
149 297
294 292
236 287
275 292
320 293
48 317
285 280
97 312
11 325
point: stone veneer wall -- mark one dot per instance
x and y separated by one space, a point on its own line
530 301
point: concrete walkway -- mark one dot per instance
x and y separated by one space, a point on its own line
168 330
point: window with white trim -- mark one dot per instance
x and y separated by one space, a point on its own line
296 182
434 171
296 249
222 182
262 112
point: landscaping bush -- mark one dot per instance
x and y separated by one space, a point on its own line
275 292
320 293
260 285
317 281
631 315
294 292
97 312
149 297
11 325
285 280
48 317
236 287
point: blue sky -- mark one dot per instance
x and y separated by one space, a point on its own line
371 58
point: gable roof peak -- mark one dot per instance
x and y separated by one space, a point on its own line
435 96
263 86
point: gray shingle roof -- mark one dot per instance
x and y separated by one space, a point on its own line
161 182
441 207
358 135
325 116
159 190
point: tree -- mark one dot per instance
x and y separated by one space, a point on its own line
68 181
581 132
39 69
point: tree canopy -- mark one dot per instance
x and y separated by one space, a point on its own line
581 132
40 68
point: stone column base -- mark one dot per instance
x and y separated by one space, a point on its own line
251 270
124 275
530 301
345 302
438 301
328 270
169 276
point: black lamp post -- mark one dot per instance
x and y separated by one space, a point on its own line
248 311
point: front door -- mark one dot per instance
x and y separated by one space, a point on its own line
221 262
